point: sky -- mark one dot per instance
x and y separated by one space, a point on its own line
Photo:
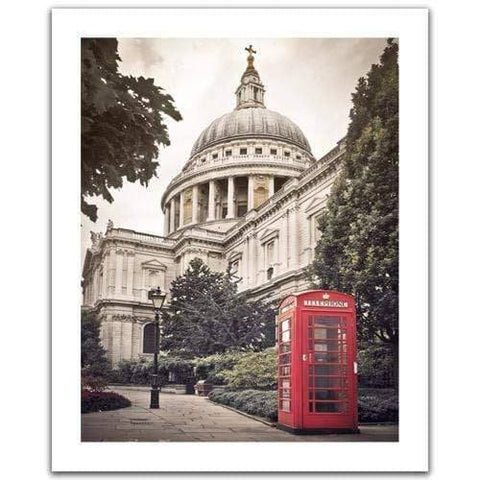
308 80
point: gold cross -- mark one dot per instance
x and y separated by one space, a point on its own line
250 50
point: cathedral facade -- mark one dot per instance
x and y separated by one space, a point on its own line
249 196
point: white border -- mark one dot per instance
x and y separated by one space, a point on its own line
411 452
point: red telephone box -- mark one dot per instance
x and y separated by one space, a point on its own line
317 369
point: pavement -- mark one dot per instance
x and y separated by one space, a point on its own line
190 418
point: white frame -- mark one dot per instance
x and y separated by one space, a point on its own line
411 27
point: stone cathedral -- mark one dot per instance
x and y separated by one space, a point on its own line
248 196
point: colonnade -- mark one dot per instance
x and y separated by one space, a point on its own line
175 209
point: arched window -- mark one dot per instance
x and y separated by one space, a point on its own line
149 338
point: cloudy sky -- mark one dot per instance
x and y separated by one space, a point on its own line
308 80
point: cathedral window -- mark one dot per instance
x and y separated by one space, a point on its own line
273 151
234 267
269 248
228 153
258 151
270 273
149 338
243 151
214 156
286 153
241 208
298 157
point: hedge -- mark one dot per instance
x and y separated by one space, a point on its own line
255 402
102 401
377 405
374 405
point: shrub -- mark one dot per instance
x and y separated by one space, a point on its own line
102 401
92 382
377 367
254 370
214 368
255 402
138 371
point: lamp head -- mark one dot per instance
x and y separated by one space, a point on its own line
157 297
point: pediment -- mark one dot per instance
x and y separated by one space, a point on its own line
154 264
269 234
233 256
314 206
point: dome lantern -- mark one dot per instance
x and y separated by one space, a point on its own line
251 91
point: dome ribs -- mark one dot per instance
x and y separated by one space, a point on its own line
250 121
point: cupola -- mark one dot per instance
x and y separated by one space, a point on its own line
251 91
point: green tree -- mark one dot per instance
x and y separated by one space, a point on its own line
93 356
358 250
122 123
208 315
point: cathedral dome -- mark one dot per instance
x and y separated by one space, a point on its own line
251 122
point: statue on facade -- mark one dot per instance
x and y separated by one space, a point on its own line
109 225
95 239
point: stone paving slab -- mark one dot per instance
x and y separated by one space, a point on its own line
189 418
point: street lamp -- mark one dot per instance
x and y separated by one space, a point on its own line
157 297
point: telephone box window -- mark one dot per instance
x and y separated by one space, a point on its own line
284 362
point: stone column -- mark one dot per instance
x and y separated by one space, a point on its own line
271 186
118 273
250 192
182 212
211 201
130 265
136 330
105 275
293 236
195 204
126 346
245 262
95 285
172 215
166 221
283 239
252 260
116 349
144 286
230 193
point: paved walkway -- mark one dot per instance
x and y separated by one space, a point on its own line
189 418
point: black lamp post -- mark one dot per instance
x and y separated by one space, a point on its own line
157 297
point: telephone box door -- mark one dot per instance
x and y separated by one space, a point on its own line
328 375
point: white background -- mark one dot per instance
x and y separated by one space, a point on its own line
25 238
410 453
